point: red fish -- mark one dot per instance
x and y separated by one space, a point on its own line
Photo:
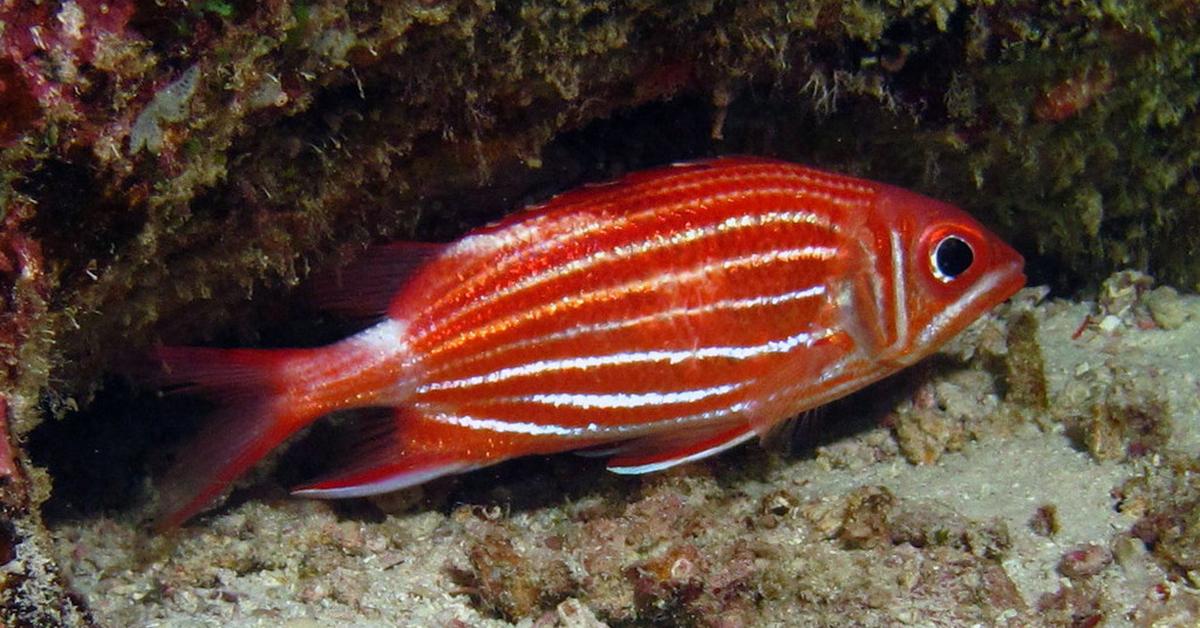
657 319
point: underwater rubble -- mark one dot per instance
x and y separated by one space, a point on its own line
1020 520
173 170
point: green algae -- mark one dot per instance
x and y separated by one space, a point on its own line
372 110
316 128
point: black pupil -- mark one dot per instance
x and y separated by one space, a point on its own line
953 257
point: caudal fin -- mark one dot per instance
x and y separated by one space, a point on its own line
255 416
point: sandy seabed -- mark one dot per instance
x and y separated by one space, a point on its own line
973 497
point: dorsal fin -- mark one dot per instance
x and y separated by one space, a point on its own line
364 288
590 192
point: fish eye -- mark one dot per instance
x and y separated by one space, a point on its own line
951 257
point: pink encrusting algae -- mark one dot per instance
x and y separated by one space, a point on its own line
657 319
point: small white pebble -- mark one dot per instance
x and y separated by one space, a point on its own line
1109 324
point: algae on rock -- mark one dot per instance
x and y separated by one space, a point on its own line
170 170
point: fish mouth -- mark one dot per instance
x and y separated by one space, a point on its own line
997 286
1006 277
1013 282
1012 273
991 289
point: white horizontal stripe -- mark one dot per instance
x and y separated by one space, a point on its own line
663 241
612 293
660 242
747 303
625 400
735 352
677 312
591 430
530 239
513 427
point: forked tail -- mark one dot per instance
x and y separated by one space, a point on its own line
255 416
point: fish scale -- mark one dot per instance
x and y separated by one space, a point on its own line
689 289
661 318
660 263
656 209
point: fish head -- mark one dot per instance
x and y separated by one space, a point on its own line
948 270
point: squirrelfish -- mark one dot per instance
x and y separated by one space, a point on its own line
657 319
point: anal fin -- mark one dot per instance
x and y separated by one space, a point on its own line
389 452
655 453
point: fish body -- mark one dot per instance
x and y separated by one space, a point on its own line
657 319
